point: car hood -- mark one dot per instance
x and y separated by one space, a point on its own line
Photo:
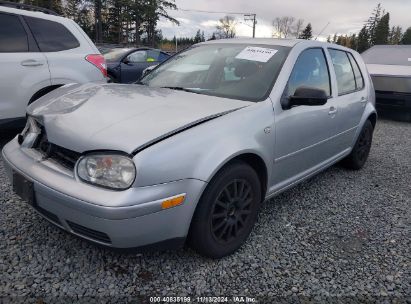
122 117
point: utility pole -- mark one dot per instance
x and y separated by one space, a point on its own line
253 18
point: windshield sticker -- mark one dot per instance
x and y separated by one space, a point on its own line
256 54
409 59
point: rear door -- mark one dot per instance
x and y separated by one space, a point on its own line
65 49
351 99
24 70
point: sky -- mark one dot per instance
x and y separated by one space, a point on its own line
344 16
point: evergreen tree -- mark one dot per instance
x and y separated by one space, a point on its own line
373 22
363 40
395 35
307 33
197 37
406 39
382 30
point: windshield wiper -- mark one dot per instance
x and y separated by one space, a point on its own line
180 89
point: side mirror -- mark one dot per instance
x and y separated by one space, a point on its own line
306 96
126 61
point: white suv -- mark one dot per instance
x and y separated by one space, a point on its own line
40 52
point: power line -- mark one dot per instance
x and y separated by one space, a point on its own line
247 16
212 12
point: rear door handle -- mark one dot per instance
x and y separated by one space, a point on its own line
332 111
31 63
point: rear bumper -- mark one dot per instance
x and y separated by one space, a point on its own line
121 226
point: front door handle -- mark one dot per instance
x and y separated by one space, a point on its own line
332 111
31 63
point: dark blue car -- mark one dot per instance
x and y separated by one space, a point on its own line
127 65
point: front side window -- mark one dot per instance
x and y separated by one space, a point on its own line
51 36
13 37
343 72
237 71
137 57
310 70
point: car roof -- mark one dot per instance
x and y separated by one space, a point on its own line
278 42
32 14
262 41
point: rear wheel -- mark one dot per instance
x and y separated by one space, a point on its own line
361 150
227 211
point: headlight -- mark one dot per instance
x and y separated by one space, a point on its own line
110 171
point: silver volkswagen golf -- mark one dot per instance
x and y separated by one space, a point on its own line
190 152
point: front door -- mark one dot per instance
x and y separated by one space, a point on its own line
304 134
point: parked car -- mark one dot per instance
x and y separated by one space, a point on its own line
40 52
193 151
390 69
127 65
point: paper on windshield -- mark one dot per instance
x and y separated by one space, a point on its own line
256 54
409 59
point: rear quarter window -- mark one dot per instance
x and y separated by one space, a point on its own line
51 36
359 80
13 37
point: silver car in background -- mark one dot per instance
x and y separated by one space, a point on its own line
390 70
191 152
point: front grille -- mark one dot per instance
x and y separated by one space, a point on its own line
49 215
92 234
62 156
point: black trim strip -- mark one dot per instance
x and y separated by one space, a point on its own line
181 129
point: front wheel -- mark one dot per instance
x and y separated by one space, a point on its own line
361 150
226 212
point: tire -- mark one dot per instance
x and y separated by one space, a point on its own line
226 212
361 150
111 79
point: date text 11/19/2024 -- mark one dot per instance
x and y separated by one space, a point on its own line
233 299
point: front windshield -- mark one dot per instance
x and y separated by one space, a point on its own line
238 71
115 54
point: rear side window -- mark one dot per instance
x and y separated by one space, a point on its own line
13 37
343 71
310 70
359 80
51 36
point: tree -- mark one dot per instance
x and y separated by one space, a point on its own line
226 27
307 33
406 39
395 35
363 40
382 30
197 37
298 27
373 21
283 26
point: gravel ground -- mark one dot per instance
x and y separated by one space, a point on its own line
340 236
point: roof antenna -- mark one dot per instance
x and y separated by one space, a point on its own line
322 30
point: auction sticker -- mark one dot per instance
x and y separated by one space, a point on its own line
256 54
